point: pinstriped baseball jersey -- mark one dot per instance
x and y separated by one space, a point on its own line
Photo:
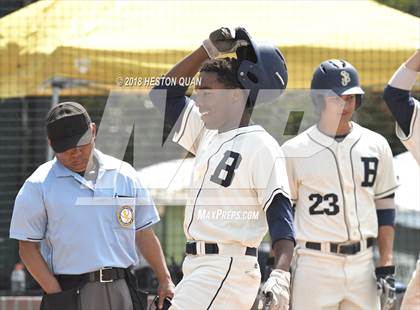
236 175
412 141
334 184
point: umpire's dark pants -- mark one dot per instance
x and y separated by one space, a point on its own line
91 296
107 296
76 294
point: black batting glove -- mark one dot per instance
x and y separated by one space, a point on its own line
221 41
385 283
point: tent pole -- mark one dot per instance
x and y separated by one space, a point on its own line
56 88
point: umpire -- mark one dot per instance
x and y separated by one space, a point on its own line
78 219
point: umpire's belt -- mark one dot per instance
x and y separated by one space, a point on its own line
203 248
103 275
348 248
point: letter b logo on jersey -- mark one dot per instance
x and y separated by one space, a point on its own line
371 169
226 169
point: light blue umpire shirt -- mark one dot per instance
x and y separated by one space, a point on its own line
83 226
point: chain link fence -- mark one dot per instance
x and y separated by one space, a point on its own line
23 144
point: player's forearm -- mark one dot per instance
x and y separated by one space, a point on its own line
36 265
283 253
150 248
189 66
413 63
405 76
385 245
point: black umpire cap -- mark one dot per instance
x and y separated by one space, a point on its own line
68 126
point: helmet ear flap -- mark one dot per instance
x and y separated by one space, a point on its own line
250 76
358 101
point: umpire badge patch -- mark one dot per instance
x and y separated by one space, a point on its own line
125 215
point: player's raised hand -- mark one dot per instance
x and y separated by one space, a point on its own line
278 285
221 41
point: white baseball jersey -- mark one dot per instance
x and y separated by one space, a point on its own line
334 184
412 141
236 175
404 79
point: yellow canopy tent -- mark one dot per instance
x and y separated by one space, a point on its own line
100 41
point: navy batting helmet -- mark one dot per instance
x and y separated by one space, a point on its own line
262 66
340 77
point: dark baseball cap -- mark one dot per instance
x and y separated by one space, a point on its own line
68 126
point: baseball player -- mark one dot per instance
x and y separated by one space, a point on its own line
342 184
406 111
238 171
78 218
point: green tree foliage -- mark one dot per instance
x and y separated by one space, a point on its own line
374 115
408 6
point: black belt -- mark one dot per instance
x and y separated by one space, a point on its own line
340 248
213 248
104 275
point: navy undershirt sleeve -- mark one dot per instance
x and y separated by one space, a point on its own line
280 219
401 105
170 105
386 217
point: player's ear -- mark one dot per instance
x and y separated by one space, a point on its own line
93 129
239 96
319 102
49 141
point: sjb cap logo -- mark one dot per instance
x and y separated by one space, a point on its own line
345 78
